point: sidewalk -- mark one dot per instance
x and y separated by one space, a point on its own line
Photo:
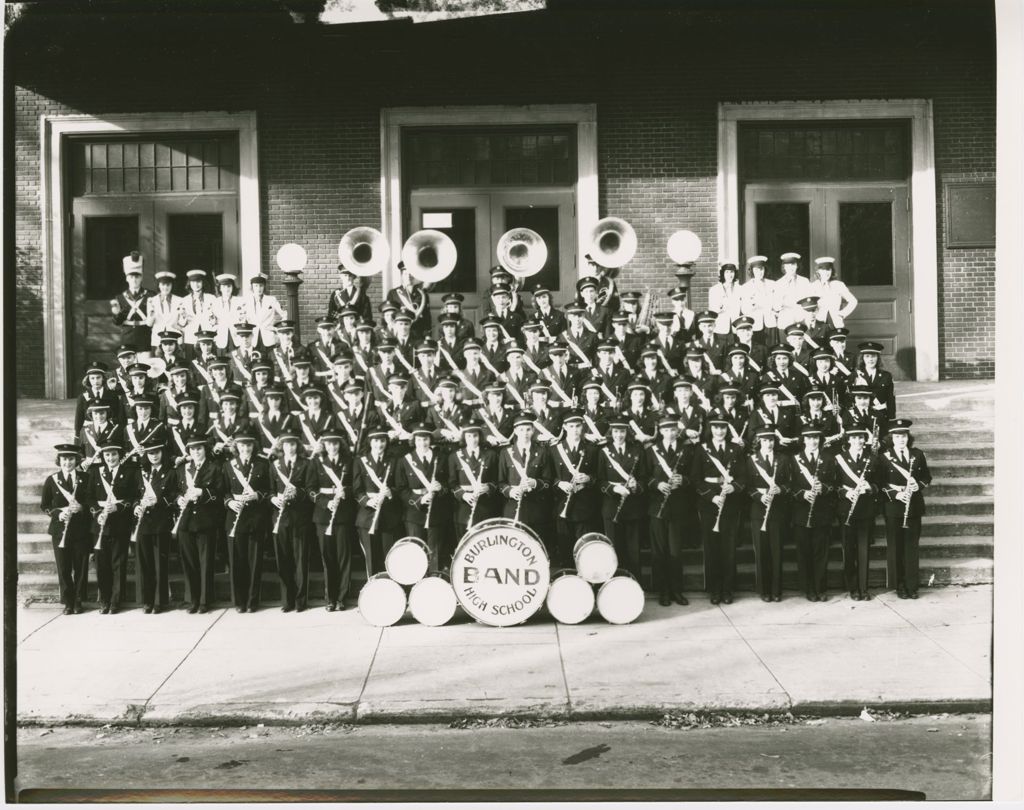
225 667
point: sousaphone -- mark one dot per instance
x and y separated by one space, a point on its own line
429 256
522 252
364 251
612 242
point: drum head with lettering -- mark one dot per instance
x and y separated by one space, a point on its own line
500 573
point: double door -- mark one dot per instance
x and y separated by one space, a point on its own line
172 232
865 227
476 221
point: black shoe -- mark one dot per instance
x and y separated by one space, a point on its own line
822 597
330 607
912 595
727 598
68 610
105 609
148 610
78 608
193 609
299 608
341 606
901 592
287 608
664 600
241 609
766 598
158 609
679 599
777 598
204 609
253 608
715 600
115 609
866 596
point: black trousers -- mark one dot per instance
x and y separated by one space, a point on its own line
112 566
812 557
291 547
625 535
375 549
719 548
245 559
196 550
902 550
567 532
151 569
433 537
667 543
336 554
768 548
72 569
856 546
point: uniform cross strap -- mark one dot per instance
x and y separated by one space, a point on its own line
579 352
565 460
520 468
718 464
376 479
848 470
467 469
616 466
665 468
558 388
419 473
804 471
330 474
466 382
241 367
68 496
768 479
896 466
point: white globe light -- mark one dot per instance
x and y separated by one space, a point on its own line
684 247
291 258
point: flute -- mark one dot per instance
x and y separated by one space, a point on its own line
910 495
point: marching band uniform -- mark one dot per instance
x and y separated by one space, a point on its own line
327 477
783 420
470 469
820 419
417 473
711 464
739 375
65 500
97 434
192 313
398 417
449 343
903 471
143 432
765 471
547 422
197 528
672 515
618 466
576 512
224 313
701 382
844 362
735 416
835 301
315 422
293 521
855 470
689 415
111 486
354 420
411 298
655 378
383 371
883 397
709 342
811 522
628 344
322 350
210 394
743 335
188 429
725 299
262 311
224 429
377 526
559 377
129 308
642 418
552 321
168 404
582 342
348 297
788 291
162 310
496 416
758 299
156 478
96 395
473 377
445 420
453 310
516 377
522 460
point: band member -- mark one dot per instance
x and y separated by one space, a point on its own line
139 387
826 378
284 352
445 418
387 319
420 481
226 427
498 418
725 298
717 474
547 422
274 423
902 477
99 432
561 379
346 332
612 378
814 330
326 345
734 413
126 358
738 374
860 416
378 520
129 309
641 416
163 307
188 429
787 292
256 391
581 341
743 335
785 423
153 494
685 409
630 304
65 498
405 342
516 376
654 377
143 430
363 351
224 312
552 321
203 354
198 485
576 503
813 508
596 318
472 473
412 298
815 416
453 309
168 353
800 357
111 500
354 420
871 374
95 392
193 309
671 509
492 350
700 378
607 290
508 316
758 294
293 524
351 294
398 415
449 344
855 490
780 373
315 421
263 312
628 343
683 323
243 357
210 395
835 301
769 477
426 377
178 388
595 414
621 477
524 477
334 510
844 363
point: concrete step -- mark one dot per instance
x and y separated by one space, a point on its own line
945 450
980 485
942 468
960 504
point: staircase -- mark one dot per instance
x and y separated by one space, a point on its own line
953 424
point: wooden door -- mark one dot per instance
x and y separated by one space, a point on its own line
103 232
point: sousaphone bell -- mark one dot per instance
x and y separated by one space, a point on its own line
364 251
522 252
429 256
612 242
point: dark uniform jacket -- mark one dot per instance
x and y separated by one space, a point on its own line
413 302
616 468
824 470
848 472
785 420
254 513
410 474
161 479
563 382
321 476
220 432
582 348
553 322
105 397
502 423
354 427
91 439
298 512
53 501
680 504
167 410
614 381
793 382
132 319
178 437
450 354
536 504
891 479
584 503
484 468
343 299
781 469
209 399
364 485
201 515
883 400
707 478
137 435
472 384
122 484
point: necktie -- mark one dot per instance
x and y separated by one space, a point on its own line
768 459
718 448
288 469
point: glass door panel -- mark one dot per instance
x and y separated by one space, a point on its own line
551 214
197 232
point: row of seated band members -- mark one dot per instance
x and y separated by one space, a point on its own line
329 363
360 433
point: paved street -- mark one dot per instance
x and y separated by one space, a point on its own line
229 668
945 757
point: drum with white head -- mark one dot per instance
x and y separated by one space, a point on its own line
596 560
407 561
621 599
432 600
382 601
570 597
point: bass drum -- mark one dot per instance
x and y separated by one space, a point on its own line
500 572
432 600
621 599
595 557
382 601
407 561
570 597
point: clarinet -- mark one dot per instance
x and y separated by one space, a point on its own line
910 495
377 511
771 497
238 516
814 500
430 506
336 502
675 468
522 495
624 498
853 505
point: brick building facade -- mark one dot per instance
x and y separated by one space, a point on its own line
656 80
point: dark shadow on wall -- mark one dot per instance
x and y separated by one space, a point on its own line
26 332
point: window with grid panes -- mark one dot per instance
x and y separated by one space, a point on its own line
162 164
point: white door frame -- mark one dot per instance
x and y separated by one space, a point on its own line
53 129
392 119
923 214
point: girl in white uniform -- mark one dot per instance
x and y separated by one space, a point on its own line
835 301
725 298
162 308
224 313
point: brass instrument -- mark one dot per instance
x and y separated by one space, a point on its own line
429 256
522 252
364 251
612 242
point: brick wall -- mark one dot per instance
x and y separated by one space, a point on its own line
656 85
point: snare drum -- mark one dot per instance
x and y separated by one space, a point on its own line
407 561
570 597
621 599
382 601
432 600
596 560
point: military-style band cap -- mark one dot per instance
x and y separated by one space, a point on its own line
288 437
342 358
472 426
591 385
353 385
810 430
861 391
217 362
302 362
364 326
574 308
96 367
169 336
856 431
619 421
668 422
230 397
449 383
900 426
638 385
244 437
397 379
449 320
649 351
195 274
124 351
227 278
145 402
823 355
795 329
421 429
471 344
259 278
137 369
559 347
495 388
757 261
738 350
388 344
312 391
782 349
663 317
402 317
539 388
678 293
586 281
789 257
523 418
814 392
152 447
809 302
838 334
490 320
165 275
721 421
111 446
681 383
68 450
573 418
190 400
768 389
729 389
323 322
377 433
453 298
706 317
825 263
132 263
744 322
426 347
205 336
284 326
870 347
531 326
332 435
261 365
766 432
